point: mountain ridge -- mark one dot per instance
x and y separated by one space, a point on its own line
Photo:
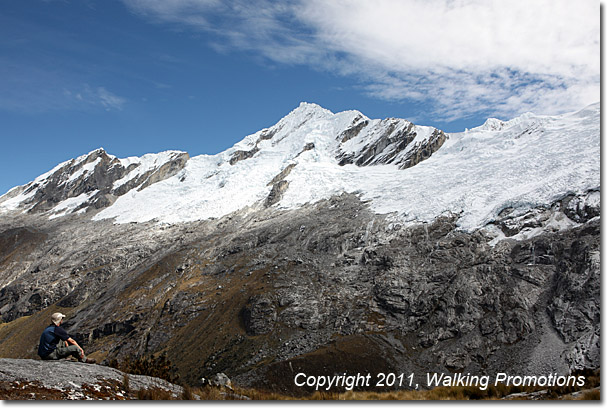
314 151
273 258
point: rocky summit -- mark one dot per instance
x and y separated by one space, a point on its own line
328 243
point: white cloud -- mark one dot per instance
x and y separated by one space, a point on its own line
26 87
462 56
176 11
86 97
271 28
469 56
109 100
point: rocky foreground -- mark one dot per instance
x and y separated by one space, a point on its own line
26 379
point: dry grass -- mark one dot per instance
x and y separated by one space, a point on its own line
125 383
221 394
19 338
443 393
440 393
590 391
209 393
18 390
155 366
187 393
255 394
591 395
154 393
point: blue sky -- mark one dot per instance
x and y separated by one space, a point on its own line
140 76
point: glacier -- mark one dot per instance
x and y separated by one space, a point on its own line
529 161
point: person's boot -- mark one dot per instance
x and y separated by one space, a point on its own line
87 360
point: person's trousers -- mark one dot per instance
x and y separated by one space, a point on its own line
64 351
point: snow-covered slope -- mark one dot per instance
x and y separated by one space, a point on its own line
309 142
415 173
91 181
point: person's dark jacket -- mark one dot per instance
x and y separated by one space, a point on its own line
49 339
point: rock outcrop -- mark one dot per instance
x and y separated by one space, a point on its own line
25 379
94 181
391 141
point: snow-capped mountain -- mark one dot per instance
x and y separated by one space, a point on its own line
415 173
91 181
324 244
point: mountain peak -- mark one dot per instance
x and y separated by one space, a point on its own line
93 155
92 181
304 105
312 154
306 111
97 151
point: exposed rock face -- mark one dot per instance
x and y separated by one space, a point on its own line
423 150
276 192
96 179
398 143
164 170
357 125
279 177
279 185
66 380
256 292
582 208
220 380
241 155
259 315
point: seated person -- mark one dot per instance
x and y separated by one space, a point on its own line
49 349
